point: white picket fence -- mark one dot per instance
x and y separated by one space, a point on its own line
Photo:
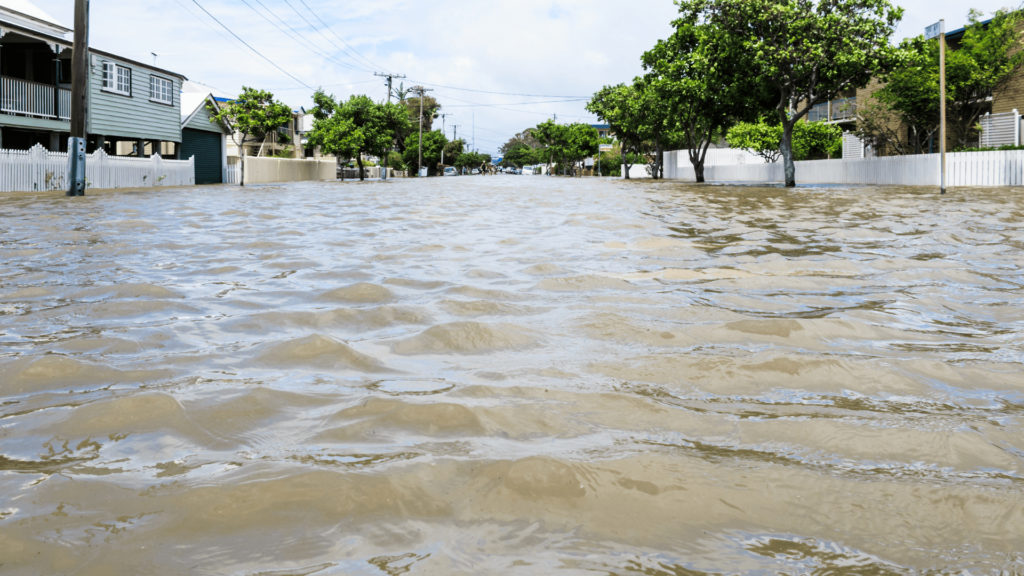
232 174
999 168
38 169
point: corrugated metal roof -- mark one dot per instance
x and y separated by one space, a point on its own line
29 9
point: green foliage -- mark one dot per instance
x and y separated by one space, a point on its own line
990 149
471 160
808 51
433 143
810 139
566 144
356 127
622 107
254 114
519 155
396 161
284 153
452 150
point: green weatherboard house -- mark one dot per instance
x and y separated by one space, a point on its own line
134 108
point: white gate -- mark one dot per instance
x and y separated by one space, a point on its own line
853 147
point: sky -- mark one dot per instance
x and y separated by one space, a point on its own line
497 67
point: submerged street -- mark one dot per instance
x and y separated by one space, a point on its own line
515 374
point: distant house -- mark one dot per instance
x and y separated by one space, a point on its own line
203 139
134 108
603 130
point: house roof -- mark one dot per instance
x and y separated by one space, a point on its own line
193 102
29 9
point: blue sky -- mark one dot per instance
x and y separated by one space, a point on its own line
550 51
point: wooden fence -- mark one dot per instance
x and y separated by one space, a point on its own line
998 168
38 169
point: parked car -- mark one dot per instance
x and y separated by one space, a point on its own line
475 171
449 171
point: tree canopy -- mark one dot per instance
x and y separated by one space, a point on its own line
254 114
356 127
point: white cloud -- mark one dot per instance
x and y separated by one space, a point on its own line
560 48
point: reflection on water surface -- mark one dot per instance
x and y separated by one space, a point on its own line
512 374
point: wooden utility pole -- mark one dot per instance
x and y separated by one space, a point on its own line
390 77
79 100
420 90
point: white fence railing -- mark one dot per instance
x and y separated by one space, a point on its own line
1000 129
32 98
997 168
39 169
853 147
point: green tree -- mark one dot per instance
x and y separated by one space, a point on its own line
621 106
988 57
356 127
697 87
452 150
518 155
574 143
810 51
253 115
433 143
764 138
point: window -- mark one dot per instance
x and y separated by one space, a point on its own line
117 79
160 90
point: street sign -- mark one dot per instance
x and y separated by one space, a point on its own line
605 147
934 30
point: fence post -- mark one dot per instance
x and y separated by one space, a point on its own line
1016 127
36 157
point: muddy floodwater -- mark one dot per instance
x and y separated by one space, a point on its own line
512 375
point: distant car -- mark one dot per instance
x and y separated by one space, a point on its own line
449 171
527 170
475 171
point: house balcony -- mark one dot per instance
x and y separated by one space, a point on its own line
25 98
842 110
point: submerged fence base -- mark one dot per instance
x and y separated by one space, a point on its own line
997 168
38 169
269 170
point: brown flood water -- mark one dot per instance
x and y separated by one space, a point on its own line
512 375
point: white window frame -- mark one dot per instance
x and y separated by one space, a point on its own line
154 94
112 78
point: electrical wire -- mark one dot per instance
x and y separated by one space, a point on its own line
331 30
327 85
299 38
250 47
219 33
317 30
500 93
514 103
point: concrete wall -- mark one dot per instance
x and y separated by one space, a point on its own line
267 170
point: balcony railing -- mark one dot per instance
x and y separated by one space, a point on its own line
32 99
844 109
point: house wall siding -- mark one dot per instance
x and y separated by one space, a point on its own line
201 121
132 116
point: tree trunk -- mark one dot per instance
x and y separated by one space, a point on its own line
786 146
359 161
657 159
625 163
241 176
698 170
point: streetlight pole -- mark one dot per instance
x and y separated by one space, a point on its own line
386 152
939 29
79 100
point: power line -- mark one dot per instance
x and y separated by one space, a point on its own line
501 93
317 30
497 107
299 38
331 30
250 47
514 103
327 85
219 33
